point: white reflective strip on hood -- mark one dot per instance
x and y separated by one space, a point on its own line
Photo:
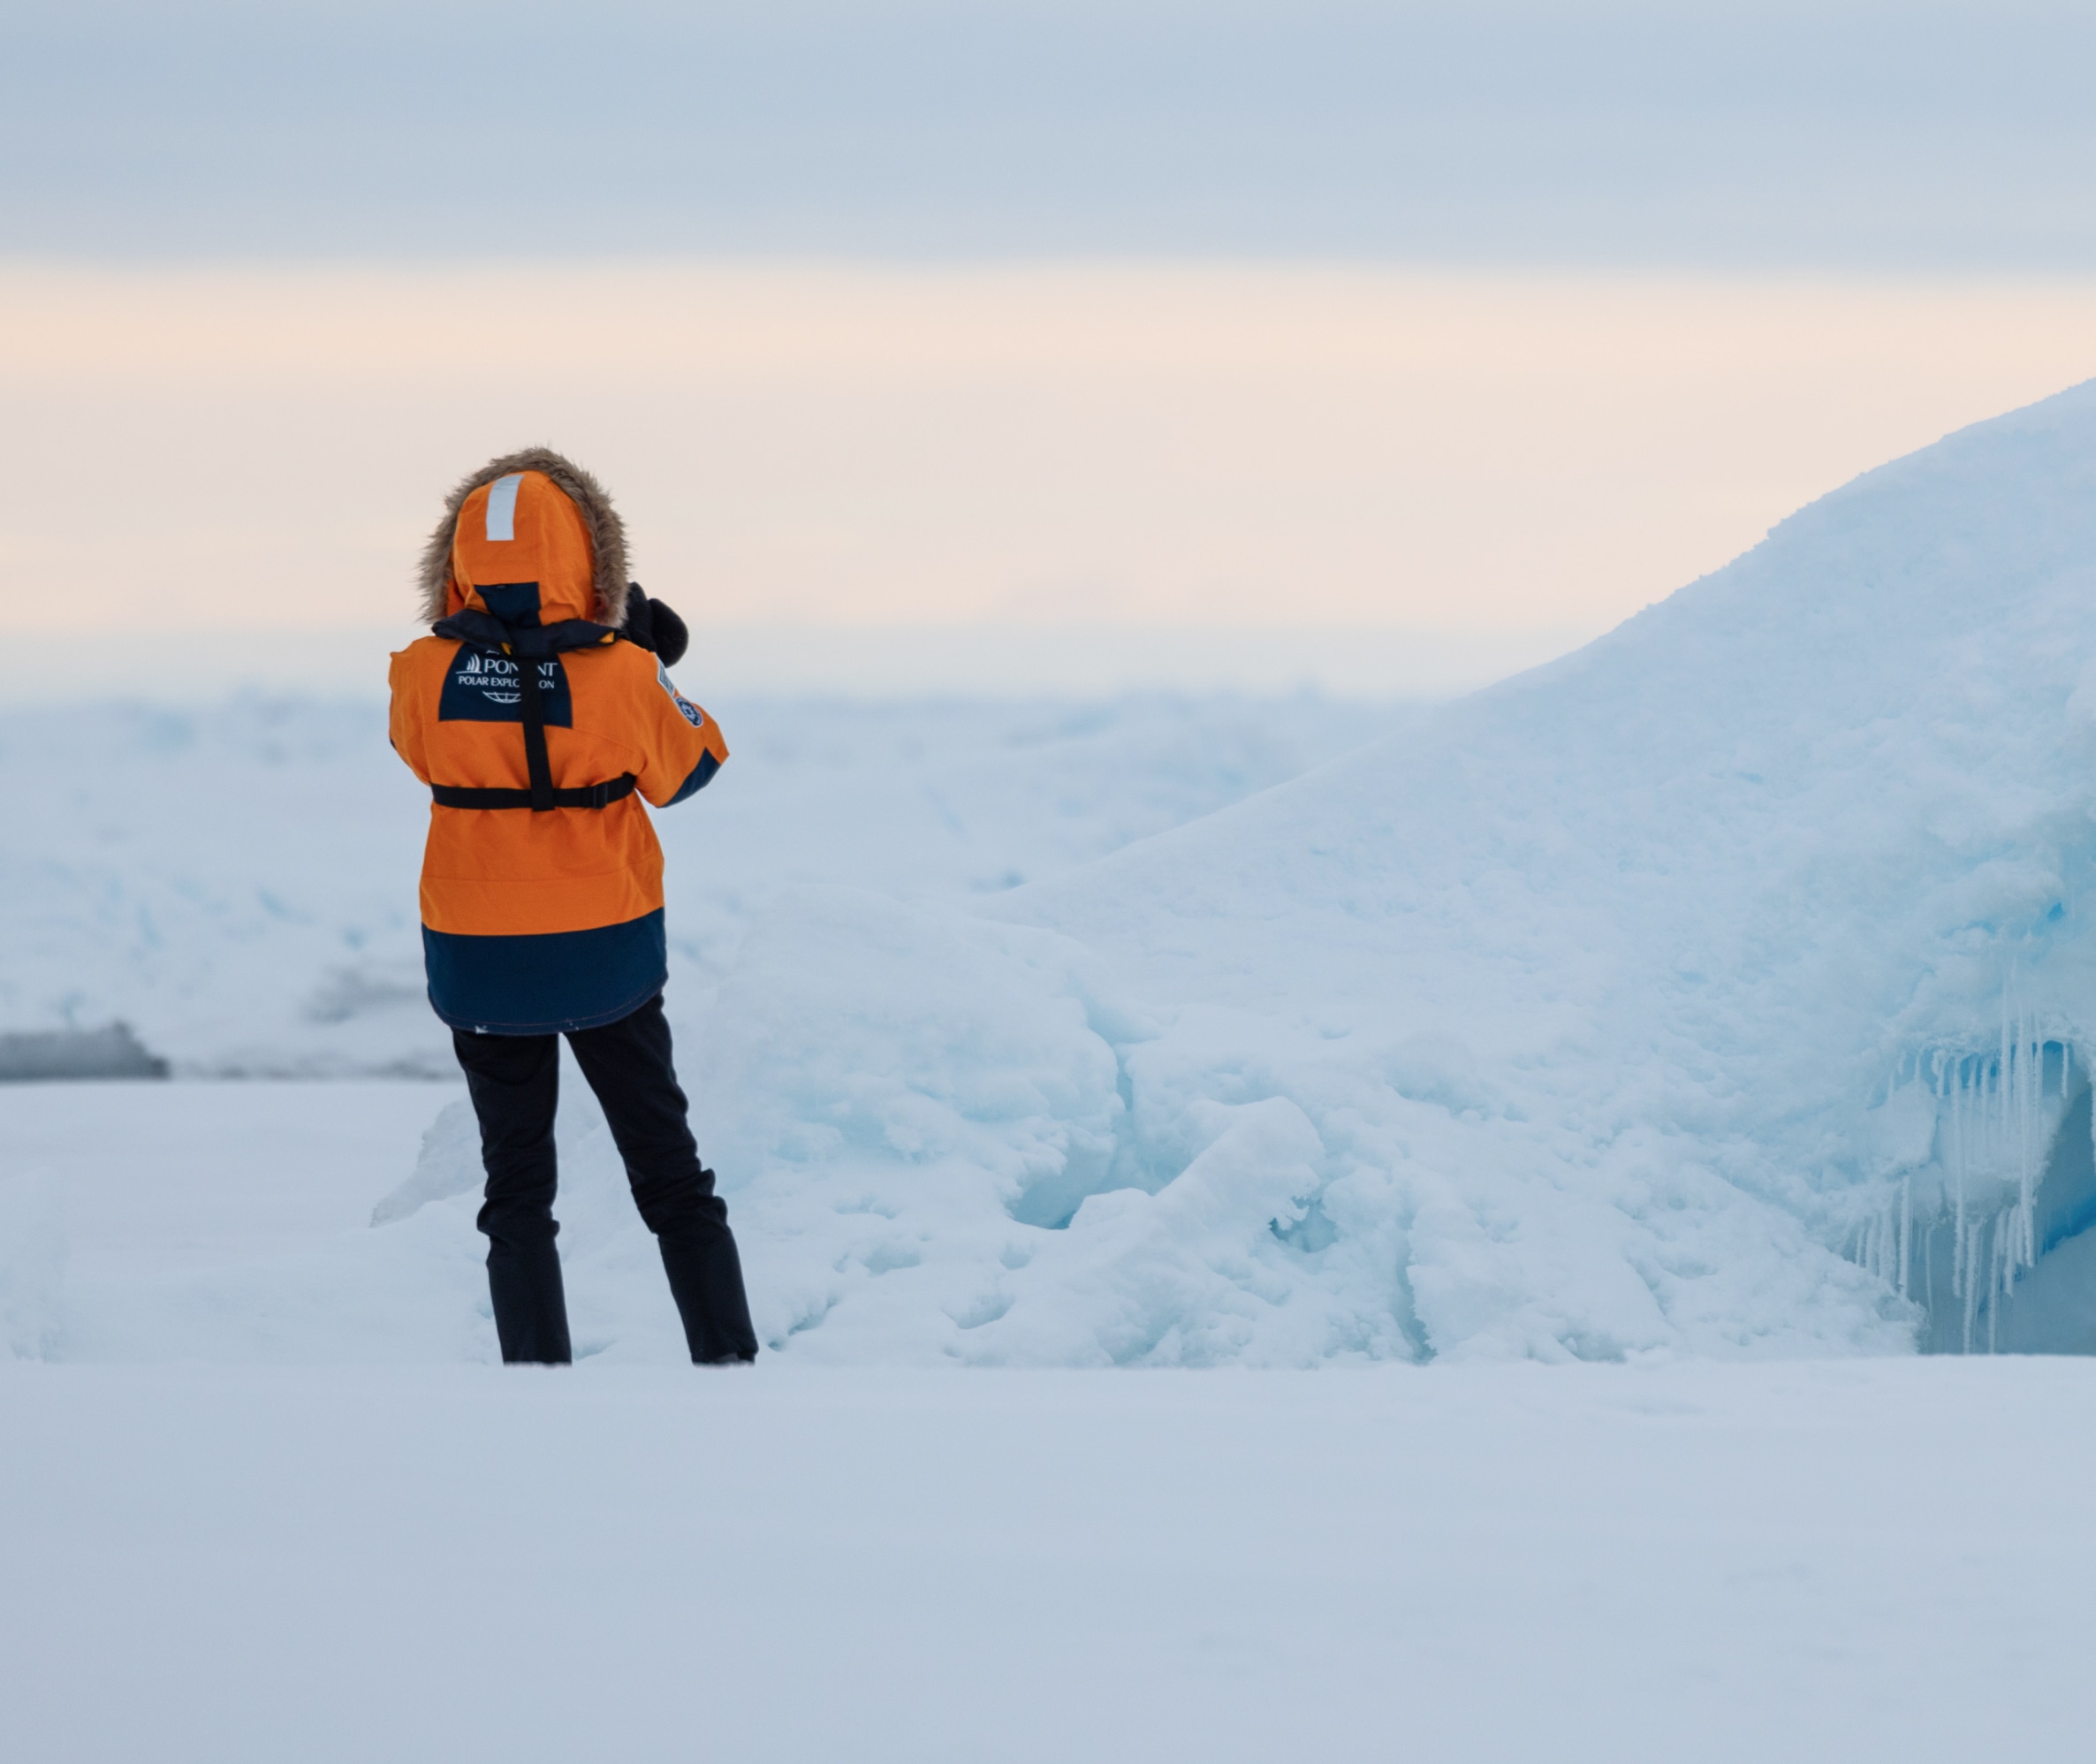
502 506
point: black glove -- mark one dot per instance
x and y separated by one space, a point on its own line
653 626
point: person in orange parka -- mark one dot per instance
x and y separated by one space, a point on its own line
541 715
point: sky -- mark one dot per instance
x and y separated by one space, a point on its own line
1842 135
1393 344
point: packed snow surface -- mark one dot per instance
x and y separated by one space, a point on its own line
1722 989
1869 1563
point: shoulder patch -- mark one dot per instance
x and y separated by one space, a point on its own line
686 709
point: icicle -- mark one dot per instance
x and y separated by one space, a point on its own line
1954 1149
2002 1075
1906 1230
1969 1266
2025 1159
1993 1308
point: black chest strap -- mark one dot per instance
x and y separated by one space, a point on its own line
590 797
534 707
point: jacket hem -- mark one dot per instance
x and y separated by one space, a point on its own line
566 1025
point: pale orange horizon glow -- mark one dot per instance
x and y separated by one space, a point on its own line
1098 444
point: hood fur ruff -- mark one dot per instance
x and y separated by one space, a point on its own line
607 534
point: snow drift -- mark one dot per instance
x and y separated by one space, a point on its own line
1757 923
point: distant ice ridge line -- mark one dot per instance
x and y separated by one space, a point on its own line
237 881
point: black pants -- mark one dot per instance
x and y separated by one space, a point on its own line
515 1082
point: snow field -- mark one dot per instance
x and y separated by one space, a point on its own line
1811 1562
1723 992
221 1222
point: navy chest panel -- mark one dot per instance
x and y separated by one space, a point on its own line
483 686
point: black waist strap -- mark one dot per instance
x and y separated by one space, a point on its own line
590 797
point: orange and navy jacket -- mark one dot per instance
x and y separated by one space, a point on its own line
539 920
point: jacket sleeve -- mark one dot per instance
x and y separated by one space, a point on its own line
406 725
681 745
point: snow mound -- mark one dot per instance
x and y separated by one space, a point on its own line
1722 989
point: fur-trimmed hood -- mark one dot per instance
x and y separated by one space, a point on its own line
600 520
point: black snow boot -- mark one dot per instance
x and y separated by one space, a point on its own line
706 1280
530 1303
